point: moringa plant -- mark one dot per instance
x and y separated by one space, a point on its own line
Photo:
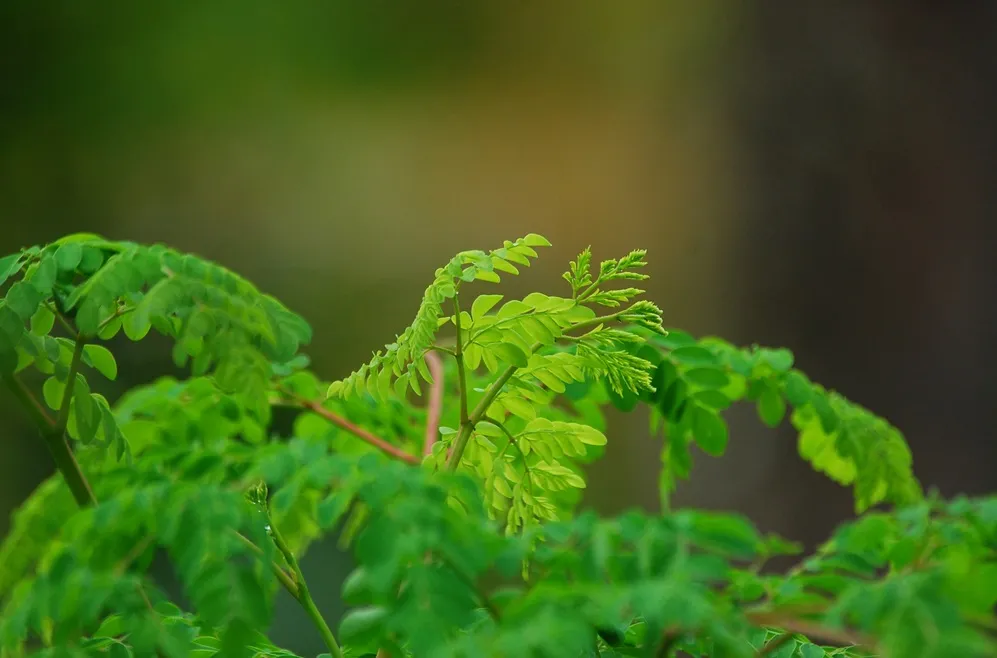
452 465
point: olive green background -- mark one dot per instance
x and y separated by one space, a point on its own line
818 177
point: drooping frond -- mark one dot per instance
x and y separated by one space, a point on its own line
696 381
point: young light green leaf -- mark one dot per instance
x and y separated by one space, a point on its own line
483 304
511 354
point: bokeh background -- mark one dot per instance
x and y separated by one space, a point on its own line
812 175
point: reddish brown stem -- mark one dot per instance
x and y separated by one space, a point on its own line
811 629
435 401
353 429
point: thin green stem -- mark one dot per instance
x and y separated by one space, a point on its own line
602 319
62 320
67 394
588 291
512 442
464 435
445 350
282 576
460 443
118 312
304 596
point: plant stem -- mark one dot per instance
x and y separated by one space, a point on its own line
304 596
54 434
602 319
285 580
67 394
776 642
355 430
459 356
62 320
435 402
460 443
811 629
55 441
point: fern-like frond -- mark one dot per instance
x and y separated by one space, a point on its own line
400 365
91 289
86 569
579 273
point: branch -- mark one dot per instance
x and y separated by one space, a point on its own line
55 441
67 394
479 411
304 596
460 443
54 434
435 402
776 642
282 575
353 429
459 356
62 320
602 319
811 629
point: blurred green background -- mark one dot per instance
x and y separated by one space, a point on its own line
814 175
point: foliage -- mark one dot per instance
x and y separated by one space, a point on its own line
452 463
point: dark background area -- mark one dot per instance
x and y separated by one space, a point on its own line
813 175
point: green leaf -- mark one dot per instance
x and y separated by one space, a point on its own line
808 650
483 304
771 407
9 266
625 401
484 275
44 275
362 625
91 259
798 389
707 377
709 431
23 298
694 356
42 321
519 407
68 256
135 325
534 240
52 392
102 359
780 360
118 650
712 399
511 354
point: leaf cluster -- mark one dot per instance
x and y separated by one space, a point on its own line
452 465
